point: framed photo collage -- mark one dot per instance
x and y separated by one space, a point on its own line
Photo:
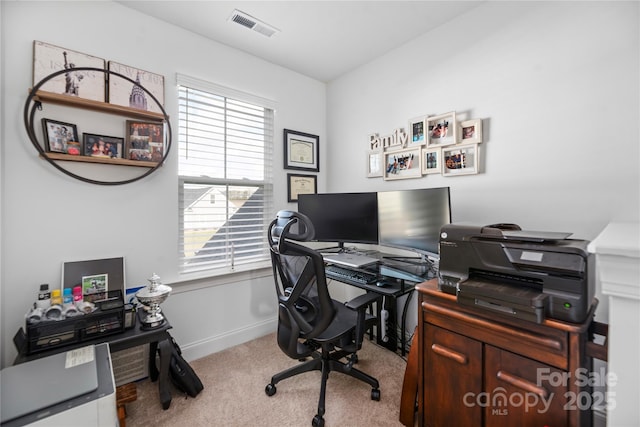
437 144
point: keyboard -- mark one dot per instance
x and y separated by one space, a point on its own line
349 275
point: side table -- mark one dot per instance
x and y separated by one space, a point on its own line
158 339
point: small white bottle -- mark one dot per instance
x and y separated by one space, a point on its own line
44 297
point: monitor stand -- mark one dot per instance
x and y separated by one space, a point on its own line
421 265
419 260
333 249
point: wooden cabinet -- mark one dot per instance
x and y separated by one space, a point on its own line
476 368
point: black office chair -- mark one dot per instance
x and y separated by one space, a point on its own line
310 323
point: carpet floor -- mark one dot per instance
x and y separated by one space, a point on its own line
234 382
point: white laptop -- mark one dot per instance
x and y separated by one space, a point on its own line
349 259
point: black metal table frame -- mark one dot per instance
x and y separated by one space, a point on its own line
404 288
158 339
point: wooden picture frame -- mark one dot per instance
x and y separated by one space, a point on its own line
470 131
144 141
374 164
402 164
431 160
86 84
417 134
128 94
301 151
102 146
460 160
61 137
300 184
441 130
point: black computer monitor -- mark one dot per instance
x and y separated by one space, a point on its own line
412 219
342 217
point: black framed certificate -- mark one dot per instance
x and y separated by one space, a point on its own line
300 184
301 151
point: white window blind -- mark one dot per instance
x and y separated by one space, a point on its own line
225 161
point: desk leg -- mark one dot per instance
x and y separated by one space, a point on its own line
153 369
163 383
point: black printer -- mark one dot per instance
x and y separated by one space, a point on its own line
524 274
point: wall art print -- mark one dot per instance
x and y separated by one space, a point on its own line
86 84
125 93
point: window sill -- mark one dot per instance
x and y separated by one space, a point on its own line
194 281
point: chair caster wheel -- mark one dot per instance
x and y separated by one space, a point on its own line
375 394
270 389
318 421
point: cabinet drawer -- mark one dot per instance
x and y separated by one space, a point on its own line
520 393
453 365
529 339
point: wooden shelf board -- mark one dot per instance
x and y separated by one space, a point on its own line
103 160
61 99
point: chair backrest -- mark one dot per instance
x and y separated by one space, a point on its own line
305 308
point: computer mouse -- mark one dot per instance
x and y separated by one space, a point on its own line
382 283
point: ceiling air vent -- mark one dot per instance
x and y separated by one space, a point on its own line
252 23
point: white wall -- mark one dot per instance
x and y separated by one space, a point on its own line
48 218
556 84
557 87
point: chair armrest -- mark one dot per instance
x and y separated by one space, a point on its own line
360 304
362 301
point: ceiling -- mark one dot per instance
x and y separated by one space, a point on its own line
320 39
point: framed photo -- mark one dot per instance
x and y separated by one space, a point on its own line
300 184
470 131
416 131
431 160
441 130
374 164
125 93
102 146
460 160
301 151
61 137
402 164
48 59
145 141
94 288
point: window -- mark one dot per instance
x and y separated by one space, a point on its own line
225 143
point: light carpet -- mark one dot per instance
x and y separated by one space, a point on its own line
234 382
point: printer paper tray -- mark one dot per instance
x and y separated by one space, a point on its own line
513 301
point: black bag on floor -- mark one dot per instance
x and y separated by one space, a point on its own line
182 374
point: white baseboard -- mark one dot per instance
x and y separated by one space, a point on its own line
229 339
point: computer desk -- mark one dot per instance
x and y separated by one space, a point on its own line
397 289
157 338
